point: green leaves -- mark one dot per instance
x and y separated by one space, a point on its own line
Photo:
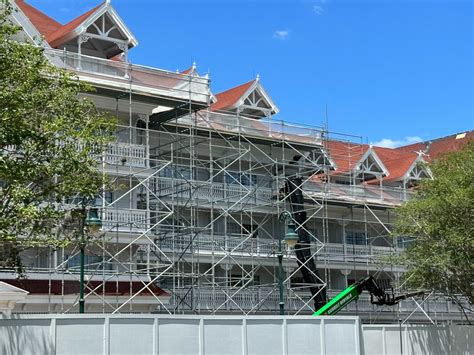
50 142
441 217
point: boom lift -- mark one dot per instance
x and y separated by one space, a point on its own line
378 296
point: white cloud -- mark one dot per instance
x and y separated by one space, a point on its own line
390 143
65 9
281 34
318 9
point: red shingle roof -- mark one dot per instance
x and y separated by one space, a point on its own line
43 23
449 144
437 147
345 154
48 27
229 97
70 26
396 162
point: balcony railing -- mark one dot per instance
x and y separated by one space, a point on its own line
260 128
264 196
139 79
220 244
126 154
213 192
357 253
125 220
267 300
357 192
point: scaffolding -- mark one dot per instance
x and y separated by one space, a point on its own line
191 217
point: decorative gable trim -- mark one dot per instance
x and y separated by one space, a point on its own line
81 29
364 164
417 170
249 100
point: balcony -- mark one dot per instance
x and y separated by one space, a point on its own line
114 75
125 220
355 253
126 154
213 191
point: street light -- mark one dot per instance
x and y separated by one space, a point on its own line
92 225
291 238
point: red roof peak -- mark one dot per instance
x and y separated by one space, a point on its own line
49 27
71 25
229 97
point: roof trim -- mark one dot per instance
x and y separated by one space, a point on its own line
28 27
418 159
257 86
81 28
371 152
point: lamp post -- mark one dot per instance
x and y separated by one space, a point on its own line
290 238
92 225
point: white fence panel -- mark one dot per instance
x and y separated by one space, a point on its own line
170 335
159 334
417 340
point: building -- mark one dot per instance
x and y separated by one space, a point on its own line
201 180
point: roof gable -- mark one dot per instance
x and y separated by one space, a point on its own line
249 99
227 99
370 163
58 35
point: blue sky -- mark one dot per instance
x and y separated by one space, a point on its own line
397 71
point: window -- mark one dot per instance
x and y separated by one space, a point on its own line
355 237
108 196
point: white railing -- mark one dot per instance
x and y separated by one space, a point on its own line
350 252
123 76
125 220
272 129
268 247
357 192
218 244
263 195
126 154
213 192
267 299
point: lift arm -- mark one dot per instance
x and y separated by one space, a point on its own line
378 296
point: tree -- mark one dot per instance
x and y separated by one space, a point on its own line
440 217
50 139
